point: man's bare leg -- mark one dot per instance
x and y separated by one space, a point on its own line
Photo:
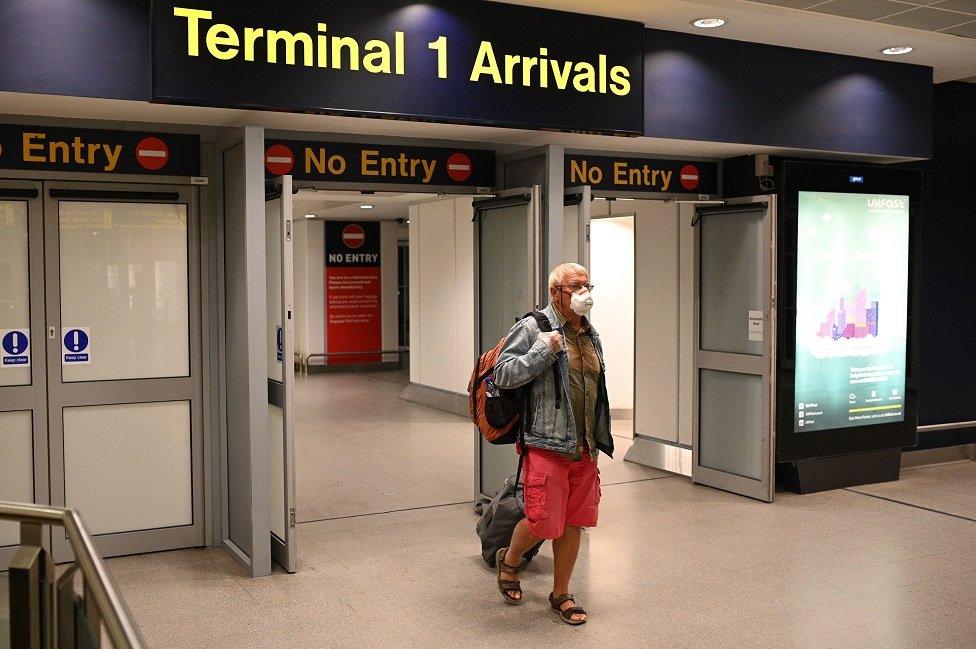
522 541
565 549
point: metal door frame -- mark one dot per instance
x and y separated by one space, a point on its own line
584 215
127 391
31 397
763 365
531 197
284 552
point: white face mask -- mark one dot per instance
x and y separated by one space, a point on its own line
581 303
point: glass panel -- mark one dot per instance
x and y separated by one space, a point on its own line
732 252
571 251
731 425
128 466
504 295
16 466
124 287
4 610
14 294
272 249
505 291
276 470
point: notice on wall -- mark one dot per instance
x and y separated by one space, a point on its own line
14 348
75 345
755 326
851 310
353 292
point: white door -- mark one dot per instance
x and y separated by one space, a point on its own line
735 298
281 372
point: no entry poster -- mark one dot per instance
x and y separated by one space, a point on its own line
353 291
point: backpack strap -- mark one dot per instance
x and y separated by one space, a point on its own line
544 325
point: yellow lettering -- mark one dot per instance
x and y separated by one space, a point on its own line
193 18
388 163
378 58
666 175
112 155
312 160
429 166
222 36
511 61
251 34
30 145
585 78
400 47
368 162
59 146
620 80
577 171
485 63
619 173
350 44
561 73
291 43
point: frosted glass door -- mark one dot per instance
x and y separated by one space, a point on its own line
124 373
280 338
23 395
733 445
506 288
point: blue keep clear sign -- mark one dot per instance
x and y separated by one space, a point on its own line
75 345
15 347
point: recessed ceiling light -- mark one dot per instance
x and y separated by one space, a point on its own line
309 216
897 49
708 23
365 206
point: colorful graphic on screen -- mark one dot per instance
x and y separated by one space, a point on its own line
851 310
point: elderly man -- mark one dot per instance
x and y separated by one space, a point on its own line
569 422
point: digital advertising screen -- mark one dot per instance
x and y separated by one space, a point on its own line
851 310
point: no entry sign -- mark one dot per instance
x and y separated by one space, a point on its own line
152 153
279 160
353 236
690 177
459 167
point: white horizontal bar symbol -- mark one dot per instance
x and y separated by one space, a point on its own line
150 153
689 176
278 158
459 167
354 235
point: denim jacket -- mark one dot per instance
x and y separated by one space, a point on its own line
525 359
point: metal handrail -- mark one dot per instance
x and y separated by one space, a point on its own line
955 425
305 364
112 609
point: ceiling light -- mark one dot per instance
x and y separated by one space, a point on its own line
365 206
708 23
897 49
309 216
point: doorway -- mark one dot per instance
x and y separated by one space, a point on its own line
101 396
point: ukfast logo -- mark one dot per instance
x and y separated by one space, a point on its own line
888 203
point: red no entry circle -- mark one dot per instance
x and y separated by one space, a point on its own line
459 167
690 176
353 236
152 153
279 160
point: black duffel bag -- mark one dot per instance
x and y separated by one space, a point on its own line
499 516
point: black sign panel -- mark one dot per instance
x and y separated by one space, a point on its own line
445 60
45 148
613 173
352 244
379 163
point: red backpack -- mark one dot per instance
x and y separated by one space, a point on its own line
500 414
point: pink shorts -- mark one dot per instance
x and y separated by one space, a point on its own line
559 492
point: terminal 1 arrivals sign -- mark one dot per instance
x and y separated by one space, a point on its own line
47 148
444 60
851 310
379 163
613 173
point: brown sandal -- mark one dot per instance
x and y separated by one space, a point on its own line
566 615
504 585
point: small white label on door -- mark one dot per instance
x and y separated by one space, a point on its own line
14 348
756 326
75 345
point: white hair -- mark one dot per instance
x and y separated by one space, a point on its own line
559 273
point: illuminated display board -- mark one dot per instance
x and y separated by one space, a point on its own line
851 310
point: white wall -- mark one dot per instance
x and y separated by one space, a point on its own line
612 271
664 272
442 294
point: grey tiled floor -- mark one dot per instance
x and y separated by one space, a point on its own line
948 488
670 565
